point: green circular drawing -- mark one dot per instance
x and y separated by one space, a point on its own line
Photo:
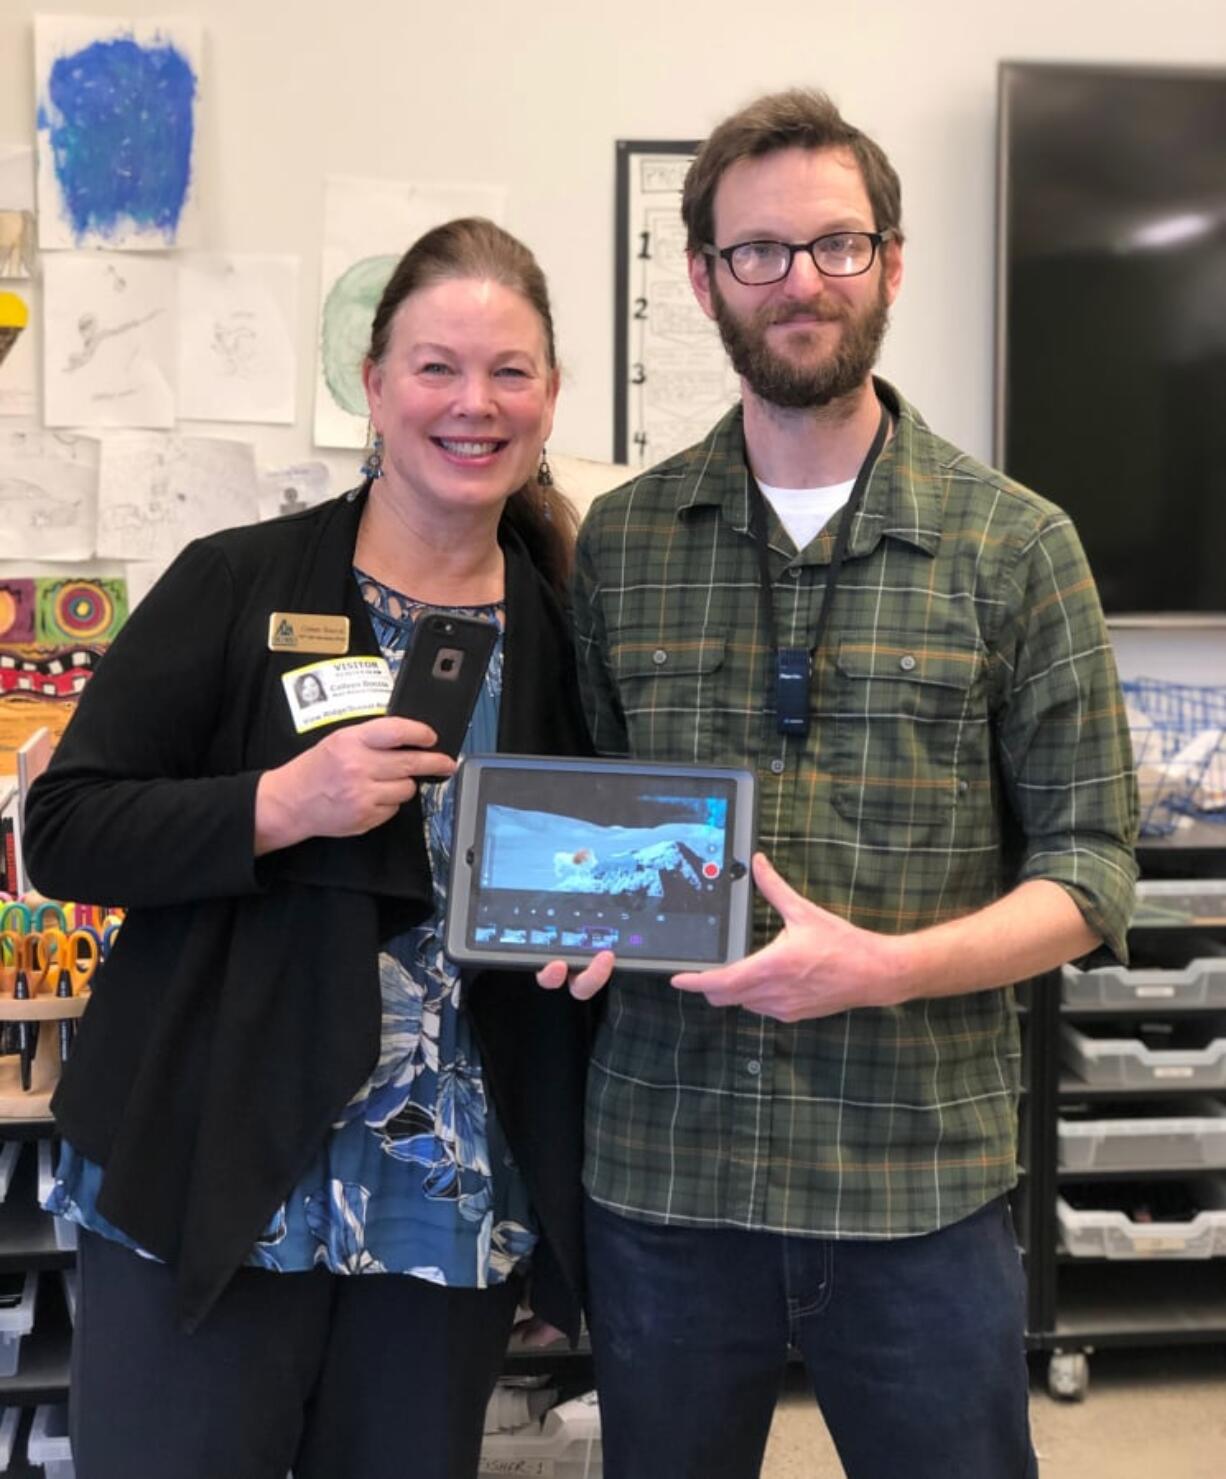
345 329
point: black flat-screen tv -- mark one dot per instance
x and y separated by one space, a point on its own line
1111 320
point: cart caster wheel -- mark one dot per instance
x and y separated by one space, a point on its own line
1068 1376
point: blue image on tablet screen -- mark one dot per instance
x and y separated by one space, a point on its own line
628 863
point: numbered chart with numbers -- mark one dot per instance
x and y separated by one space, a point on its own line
672 380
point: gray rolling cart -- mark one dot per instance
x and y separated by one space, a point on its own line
36 1255
1124 1134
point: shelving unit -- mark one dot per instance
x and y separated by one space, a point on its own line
1081 1304
28 1241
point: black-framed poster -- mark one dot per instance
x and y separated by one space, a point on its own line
671 378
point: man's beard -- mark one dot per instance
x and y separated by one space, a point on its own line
784 382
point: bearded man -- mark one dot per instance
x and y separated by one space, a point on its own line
812 1148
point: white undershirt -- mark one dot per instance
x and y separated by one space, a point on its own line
803 512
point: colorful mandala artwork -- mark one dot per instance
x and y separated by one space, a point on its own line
80 610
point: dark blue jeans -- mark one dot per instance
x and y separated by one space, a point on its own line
914 1347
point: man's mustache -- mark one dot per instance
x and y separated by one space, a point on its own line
800 313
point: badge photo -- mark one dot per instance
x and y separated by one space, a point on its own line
345 688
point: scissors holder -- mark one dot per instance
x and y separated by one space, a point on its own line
47 1011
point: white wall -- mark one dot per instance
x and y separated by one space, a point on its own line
534 94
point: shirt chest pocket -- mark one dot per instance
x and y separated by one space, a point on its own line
910 731
669 694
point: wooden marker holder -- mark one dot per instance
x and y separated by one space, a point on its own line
48 1011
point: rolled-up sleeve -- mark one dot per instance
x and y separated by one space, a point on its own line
1063 738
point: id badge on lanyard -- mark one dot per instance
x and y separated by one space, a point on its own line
792 667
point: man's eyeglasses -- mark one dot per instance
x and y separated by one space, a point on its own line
838 254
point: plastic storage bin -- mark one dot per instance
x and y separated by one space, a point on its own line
1196 902
566 1445
1176 1134
9 1418
16 1318
48 1442
65 1231
9 1152
1110 1058
1111 1233
69 1276
1201 983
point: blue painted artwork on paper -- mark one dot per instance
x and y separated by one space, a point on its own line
119 116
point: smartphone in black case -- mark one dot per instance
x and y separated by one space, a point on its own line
441 674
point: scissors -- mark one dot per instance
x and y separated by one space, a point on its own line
82 952
41 913
23 915
77 957
45 950
12 959
109 933
48 969
14 955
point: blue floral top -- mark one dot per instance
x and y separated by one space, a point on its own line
416 1177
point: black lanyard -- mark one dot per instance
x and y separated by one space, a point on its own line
793 666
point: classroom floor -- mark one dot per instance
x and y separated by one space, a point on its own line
1148 1415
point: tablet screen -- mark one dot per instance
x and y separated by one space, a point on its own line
575 861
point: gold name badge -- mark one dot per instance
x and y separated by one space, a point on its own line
293 631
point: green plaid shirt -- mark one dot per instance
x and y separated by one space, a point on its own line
968 733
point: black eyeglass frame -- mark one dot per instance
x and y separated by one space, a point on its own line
876 238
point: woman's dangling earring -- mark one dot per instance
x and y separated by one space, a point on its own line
372 468
544 473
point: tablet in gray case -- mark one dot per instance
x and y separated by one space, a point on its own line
556 859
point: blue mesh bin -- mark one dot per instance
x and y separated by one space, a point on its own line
1179 715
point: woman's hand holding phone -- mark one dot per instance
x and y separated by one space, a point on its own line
351 781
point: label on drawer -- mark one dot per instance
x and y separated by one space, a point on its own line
1149 1246
1173 1072
539 1468
1164 991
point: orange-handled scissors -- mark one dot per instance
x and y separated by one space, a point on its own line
79 960
46 955
12 959
82 952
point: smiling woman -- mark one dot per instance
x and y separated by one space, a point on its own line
343 1103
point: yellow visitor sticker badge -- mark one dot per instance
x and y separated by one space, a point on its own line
346 688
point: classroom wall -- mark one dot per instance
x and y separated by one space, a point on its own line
535 95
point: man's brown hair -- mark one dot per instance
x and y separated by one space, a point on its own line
800 118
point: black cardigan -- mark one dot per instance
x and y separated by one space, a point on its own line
240 1009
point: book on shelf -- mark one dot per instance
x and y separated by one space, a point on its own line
9 873
33 757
